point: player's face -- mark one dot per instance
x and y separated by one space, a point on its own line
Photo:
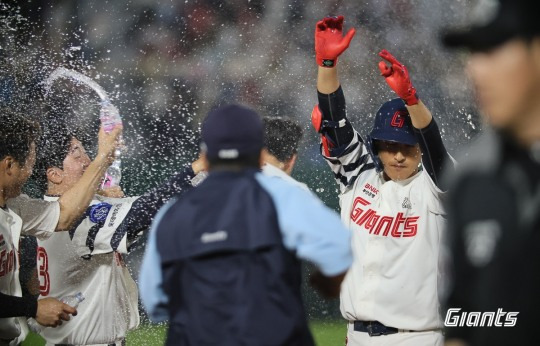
21 173
507 82
400 161
75 163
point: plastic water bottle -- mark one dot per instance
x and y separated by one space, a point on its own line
113 175
72 300
110 117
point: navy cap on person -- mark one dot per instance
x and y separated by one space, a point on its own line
232 131
509 19
393 124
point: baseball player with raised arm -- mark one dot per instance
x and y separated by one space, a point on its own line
36 217
88 259
390 199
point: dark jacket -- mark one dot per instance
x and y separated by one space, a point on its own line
229 277
494 237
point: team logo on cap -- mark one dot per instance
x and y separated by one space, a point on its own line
98 212
398 119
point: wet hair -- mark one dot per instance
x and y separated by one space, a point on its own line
53 147
281 137
16 135
240 163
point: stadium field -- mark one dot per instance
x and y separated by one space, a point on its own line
326 333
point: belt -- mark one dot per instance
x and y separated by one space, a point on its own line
374 328
117 343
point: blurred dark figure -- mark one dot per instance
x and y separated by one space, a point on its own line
494 205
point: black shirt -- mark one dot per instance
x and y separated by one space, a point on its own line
494 236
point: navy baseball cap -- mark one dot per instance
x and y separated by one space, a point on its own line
393 124
232 131
499 21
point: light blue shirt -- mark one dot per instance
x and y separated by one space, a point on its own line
309 228
150 278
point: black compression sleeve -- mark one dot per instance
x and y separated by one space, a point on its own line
145 207
332 107
17 306
434 154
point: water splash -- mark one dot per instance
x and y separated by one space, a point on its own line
62 72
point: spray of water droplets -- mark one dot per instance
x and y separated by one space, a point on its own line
165 64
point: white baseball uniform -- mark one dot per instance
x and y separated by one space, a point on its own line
89 260
396 233
27 216
10 230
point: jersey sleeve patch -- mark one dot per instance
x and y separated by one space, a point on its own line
101 231
98 212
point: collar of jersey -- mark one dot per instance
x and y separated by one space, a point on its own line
401 182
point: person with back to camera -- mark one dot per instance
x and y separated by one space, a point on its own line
225 255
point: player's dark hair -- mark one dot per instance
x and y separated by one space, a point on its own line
52 148
281 137
241 163
16 135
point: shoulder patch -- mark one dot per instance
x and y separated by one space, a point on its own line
98 212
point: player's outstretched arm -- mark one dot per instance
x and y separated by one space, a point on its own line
397 78
341 145
73 203
433 150
143 210
133 216
329 117
329 45
43 217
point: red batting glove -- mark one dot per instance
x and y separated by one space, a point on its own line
397 78
316 120
329 40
